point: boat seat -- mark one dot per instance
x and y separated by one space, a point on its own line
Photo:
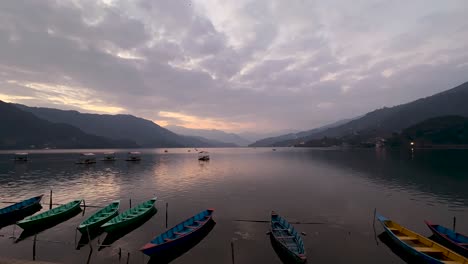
285 237
167 239
408 238
199 222
179 234
191 226
428 250
392 229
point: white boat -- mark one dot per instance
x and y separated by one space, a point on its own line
109 156
203 156
86 158
133 156
21 156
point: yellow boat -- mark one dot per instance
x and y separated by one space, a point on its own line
420 246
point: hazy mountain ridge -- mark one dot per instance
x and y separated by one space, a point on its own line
211 134
433 132
385 121
144 132
291 138
22 130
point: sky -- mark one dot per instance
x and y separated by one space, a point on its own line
243 65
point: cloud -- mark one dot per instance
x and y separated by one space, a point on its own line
237 65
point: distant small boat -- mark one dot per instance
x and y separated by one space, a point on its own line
99 217
166 151
133 156
419 246
203 156
109 156
284 234
18 208
179 234
50 215
130 216
274 149
86 158
21 156
453 240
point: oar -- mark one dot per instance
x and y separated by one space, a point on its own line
264 221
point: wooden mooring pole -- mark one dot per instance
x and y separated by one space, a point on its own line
232 251
167 205
50 200
34 247
454 223
130 201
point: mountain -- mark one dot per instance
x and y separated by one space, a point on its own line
444 130
254 136
144 132
291 138
211 142
388 120
22 130
383 122
212 134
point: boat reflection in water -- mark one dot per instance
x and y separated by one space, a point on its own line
172 253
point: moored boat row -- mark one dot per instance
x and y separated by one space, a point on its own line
418 246
282 233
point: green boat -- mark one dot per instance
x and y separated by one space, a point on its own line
50 216
99 217
130 216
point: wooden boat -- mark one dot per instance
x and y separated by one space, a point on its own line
179 234
109 156
420 246
203 156
284 234
133 156
100 217
50 215
21 156
451 239
86 158
130 216
17 208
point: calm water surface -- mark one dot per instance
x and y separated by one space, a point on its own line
339 188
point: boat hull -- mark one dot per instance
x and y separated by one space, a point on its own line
284 253
112 227
424 243
56 218
151 249
96 225
22 208
444 239
294 238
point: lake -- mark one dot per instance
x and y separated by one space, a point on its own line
335 191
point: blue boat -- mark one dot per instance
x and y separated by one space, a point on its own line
450 238
179 234
287 238
419 246
18 209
